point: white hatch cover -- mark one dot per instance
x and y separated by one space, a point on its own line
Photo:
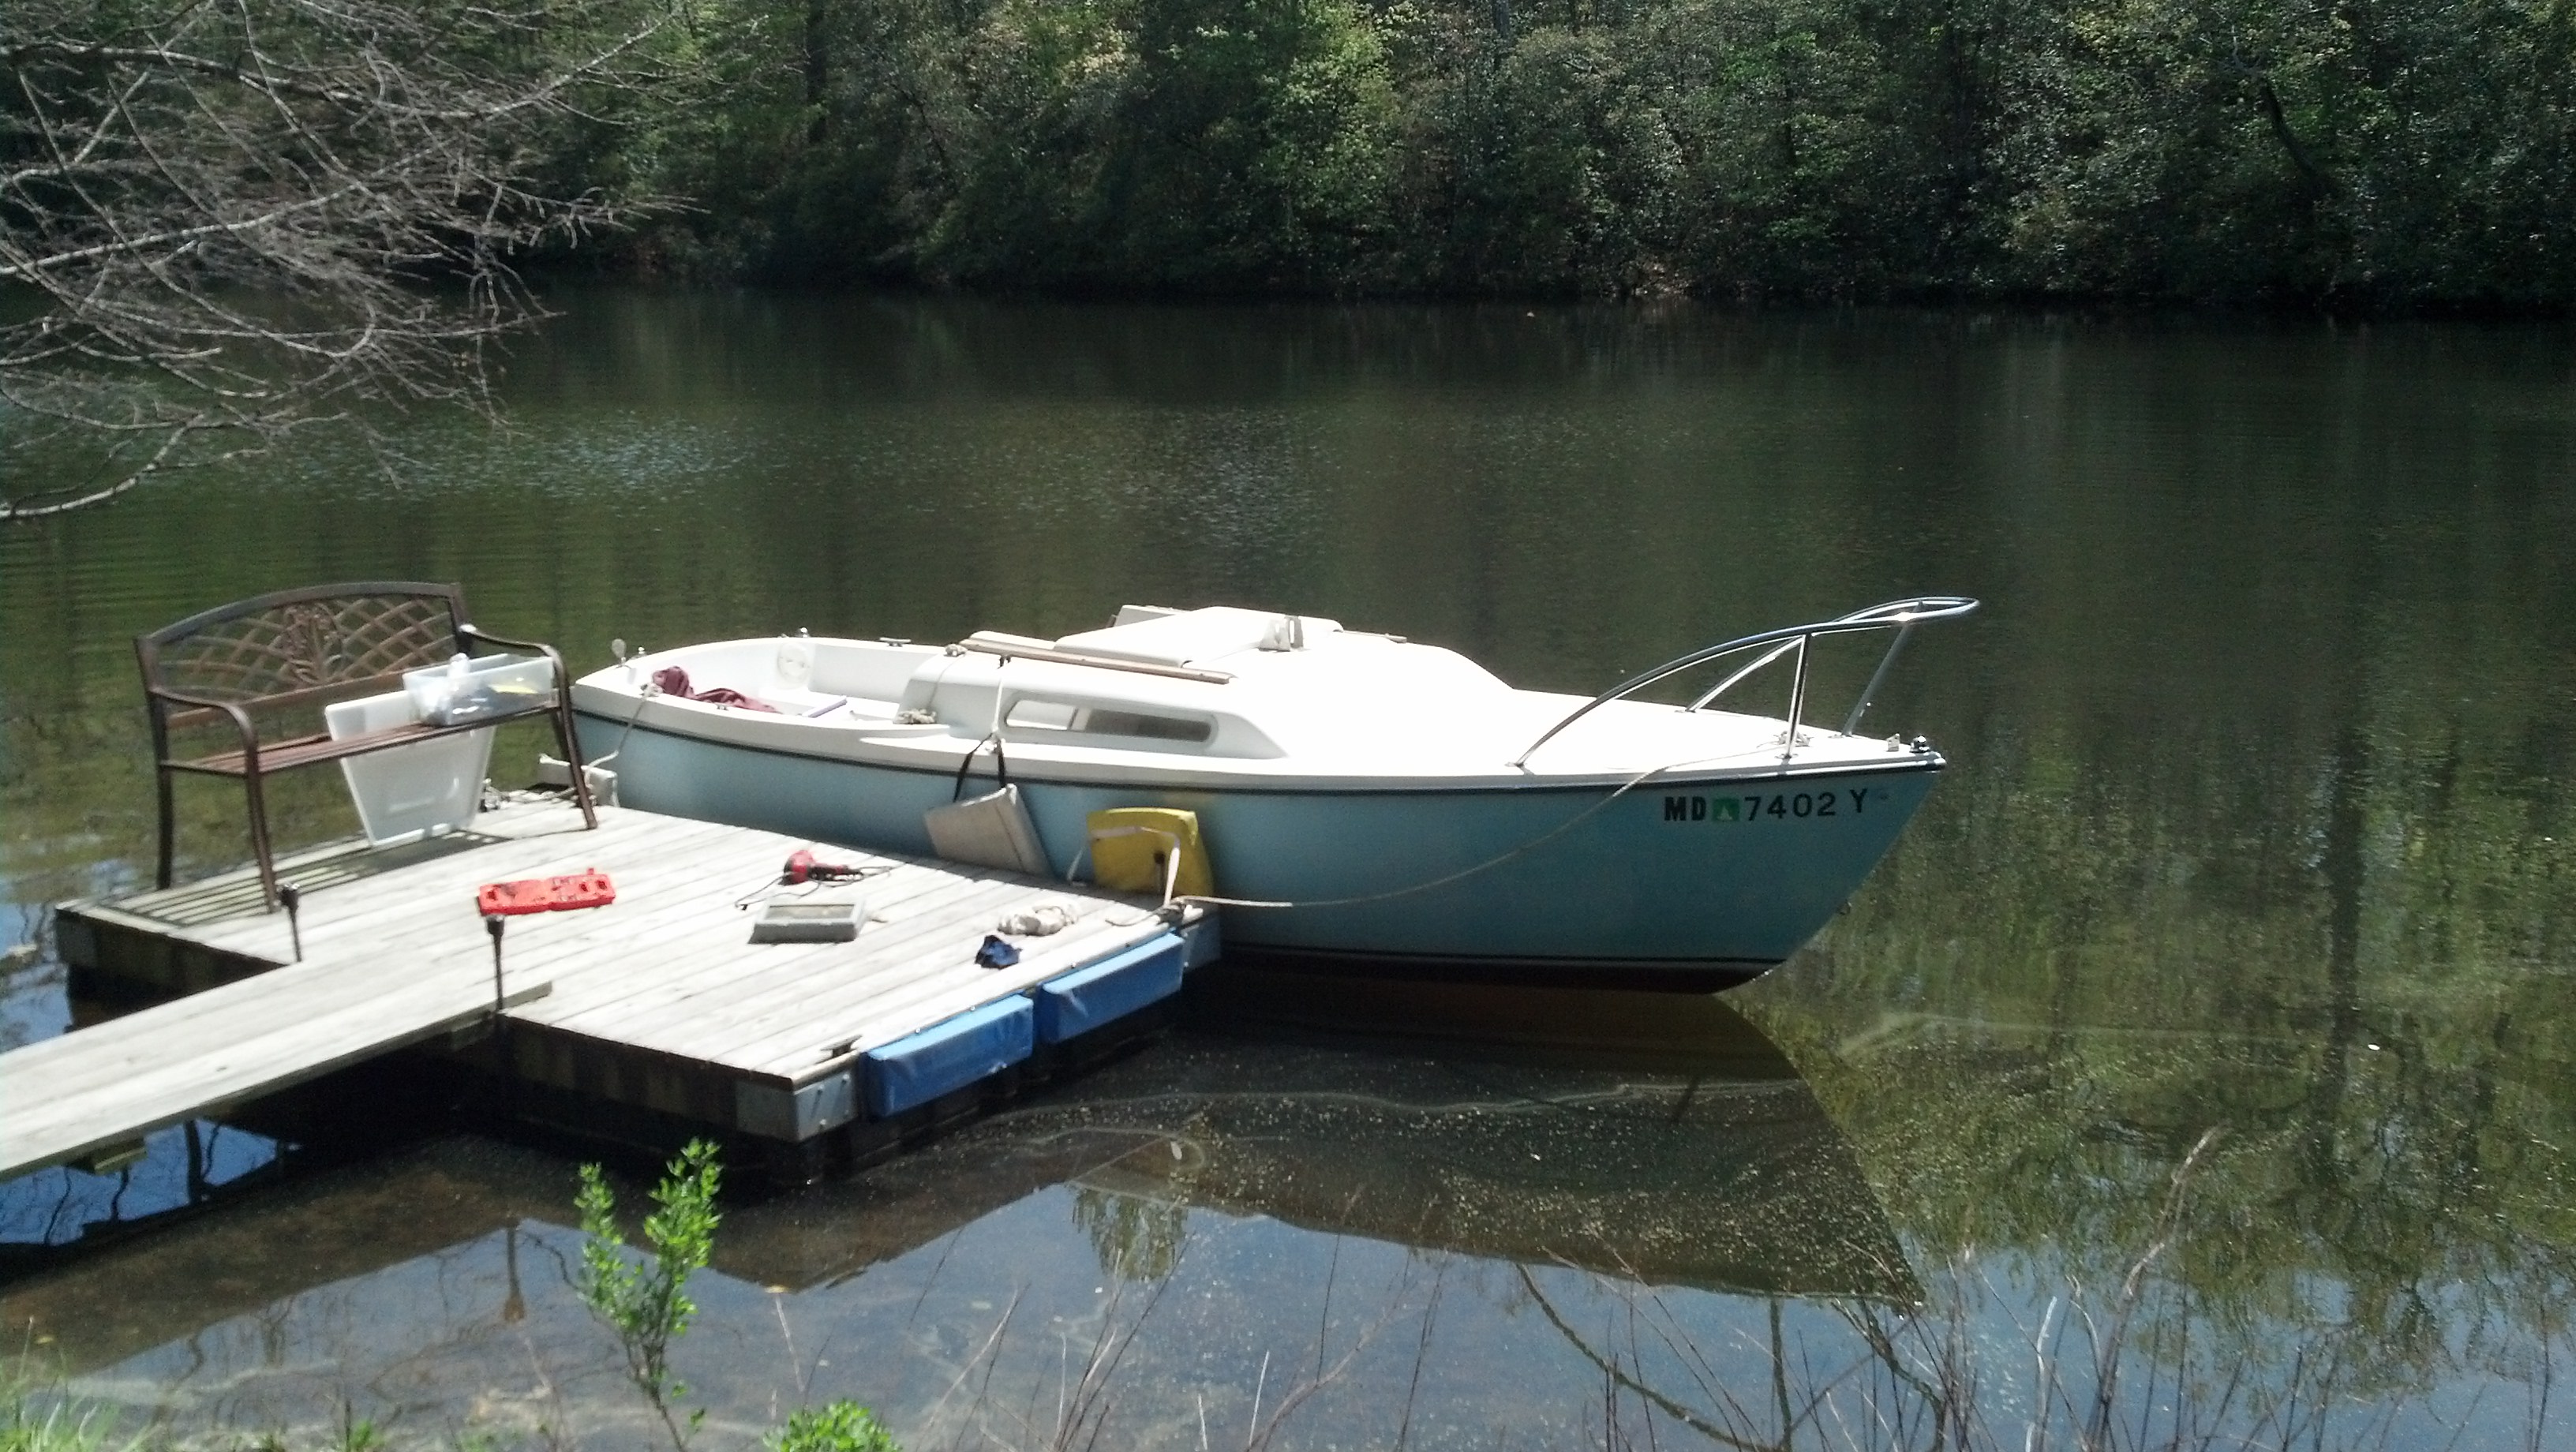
1193 635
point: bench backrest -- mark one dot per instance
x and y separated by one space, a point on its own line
319 643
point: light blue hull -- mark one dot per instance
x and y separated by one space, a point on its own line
1702 877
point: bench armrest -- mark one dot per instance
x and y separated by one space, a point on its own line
468 632
563 682
158 694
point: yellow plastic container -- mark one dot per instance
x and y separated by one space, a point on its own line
1131 851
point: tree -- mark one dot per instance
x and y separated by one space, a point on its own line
222 220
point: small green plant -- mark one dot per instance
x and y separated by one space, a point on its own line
357 1433
34 1422
646 1301
835 1427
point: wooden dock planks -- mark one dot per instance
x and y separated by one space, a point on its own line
84 1091
395 952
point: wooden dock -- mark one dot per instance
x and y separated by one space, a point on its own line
655 1005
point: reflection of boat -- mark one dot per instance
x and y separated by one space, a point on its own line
1363 795
1636 1135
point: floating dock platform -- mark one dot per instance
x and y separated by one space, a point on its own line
651 1015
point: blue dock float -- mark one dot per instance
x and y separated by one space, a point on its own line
917 1068
1110 989
974 1046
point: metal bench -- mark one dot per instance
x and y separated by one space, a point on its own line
298 651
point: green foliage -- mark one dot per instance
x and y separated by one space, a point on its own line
646 1301
60 1429
36 1416
2154 149
56 1430
837 1427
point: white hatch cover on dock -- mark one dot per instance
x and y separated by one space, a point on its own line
395 952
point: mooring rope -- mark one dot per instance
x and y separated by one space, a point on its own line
1524 849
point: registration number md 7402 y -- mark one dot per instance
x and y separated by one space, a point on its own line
1754 806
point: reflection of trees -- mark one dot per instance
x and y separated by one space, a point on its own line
2123 1364
2295 868
1937 1378
1137 1238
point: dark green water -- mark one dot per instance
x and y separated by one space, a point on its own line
2259 821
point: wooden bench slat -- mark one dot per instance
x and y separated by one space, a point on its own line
328 693
298 751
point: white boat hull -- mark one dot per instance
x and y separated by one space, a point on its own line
1690 879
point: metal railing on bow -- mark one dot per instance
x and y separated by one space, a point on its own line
1900 616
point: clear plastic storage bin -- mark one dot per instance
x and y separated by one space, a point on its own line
482 688
410 791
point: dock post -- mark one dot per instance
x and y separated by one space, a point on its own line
503 1046
294 900
492 924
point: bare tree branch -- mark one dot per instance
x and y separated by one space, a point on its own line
227 219
46 505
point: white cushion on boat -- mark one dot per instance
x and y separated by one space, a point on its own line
1192 635
992 830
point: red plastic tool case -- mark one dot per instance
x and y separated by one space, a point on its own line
546 894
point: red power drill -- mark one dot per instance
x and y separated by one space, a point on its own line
802 868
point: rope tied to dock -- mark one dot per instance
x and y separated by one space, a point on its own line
1176 905
1523 850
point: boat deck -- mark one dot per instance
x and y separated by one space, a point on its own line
656 1002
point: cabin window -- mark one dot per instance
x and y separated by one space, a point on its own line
1137 723
1031 714
1042 715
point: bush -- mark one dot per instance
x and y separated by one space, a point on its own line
837 1427
647 1304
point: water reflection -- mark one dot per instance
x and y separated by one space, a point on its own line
256 1260
1342 1213
178 1169
1647 1136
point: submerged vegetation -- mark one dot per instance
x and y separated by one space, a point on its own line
2354 155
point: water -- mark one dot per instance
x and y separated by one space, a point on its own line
2259 822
